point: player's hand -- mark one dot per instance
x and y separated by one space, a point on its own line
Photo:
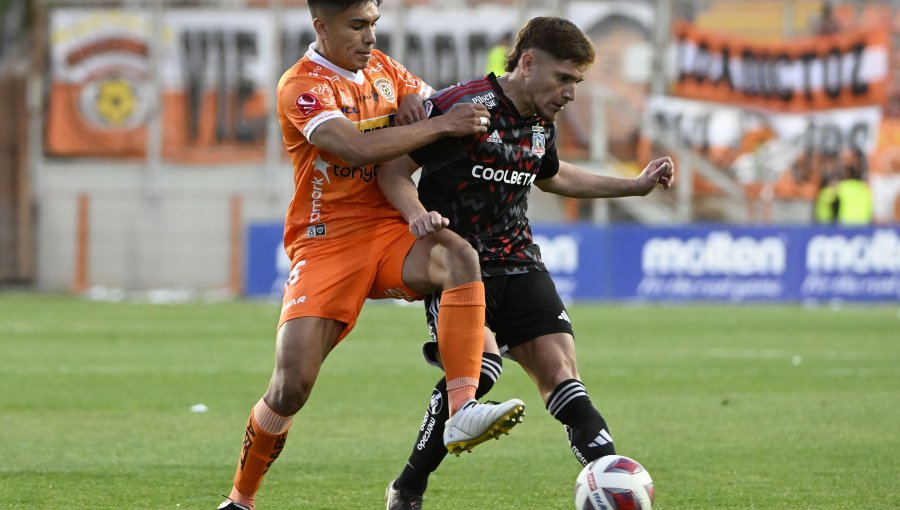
660 171
426 224
411 110
466 119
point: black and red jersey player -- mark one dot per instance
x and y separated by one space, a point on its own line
478 186
481 184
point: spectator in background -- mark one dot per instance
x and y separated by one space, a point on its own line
845 200
496 57
825 200
827 24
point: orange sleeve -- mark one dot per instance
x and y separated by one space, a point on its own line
306 102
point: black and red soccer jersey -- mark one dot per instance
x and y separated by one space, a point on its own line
481 182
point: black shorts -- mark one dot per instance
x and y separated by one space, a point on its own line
520 308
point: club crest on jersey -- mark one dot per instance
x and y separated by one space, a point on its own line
537 144
384 87
308 103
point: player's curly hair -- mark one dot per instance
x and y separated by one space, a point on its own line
319 7
557 36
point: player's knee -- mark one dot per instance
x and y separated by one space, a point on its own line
463 263
288 397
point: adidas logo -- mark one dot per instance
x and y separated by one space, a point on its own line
495 137
564 316
602 438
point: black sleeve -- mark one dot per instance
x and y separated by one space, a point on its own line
438 149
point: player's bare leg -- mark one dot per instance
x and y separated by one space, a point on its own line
301 347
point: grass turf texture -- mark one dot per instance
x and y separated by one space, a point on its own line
96 397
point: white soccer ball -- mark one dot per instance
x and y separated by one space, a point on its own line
614 482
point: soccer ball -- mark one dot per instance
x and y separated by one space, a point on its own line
614 482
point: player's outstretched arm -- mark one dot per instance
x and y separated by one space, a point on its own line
575 182
395 182
341 138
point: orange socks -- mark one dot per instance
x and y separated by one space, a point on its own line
460 322
263 441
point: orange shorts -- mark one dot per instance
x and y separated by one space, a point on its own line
331 278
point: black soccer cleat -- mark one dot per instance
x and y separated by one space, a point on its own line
395 499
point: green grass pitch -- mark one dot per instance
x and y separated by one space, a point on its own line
754 407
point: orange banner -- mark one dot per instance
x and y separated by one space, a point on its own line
848 69
212 72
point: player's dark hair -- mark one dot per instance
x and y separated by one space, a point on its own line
319 8
557 36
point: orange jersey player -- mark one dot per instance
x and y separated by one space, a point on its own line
330 190
337 108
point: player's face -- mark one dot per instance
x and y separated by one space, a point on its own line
347 38
550 83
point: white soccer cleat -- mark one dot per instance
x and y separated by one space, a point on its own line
475 423
228 504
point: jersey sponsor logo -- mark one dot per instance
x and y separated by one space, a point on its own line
367 97
319 179
365 174
317 230
385 88
489 100
429 420
495 137
308 103
351 105
564 316
377 123
436 403
501 175
537 144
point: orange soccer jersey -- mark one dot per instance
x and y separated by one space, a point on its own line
331 196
